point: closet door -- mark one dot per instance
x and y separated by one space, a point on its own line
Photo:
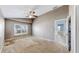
2 23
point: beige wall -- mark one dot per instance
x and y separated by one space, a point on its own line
73 27
10 27
43 26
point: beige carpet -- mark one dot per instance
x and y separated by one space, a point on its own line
33 45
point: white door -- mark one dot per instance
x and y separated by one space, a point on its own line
61 31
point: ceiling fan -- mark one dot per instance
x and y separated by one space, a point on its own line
32 13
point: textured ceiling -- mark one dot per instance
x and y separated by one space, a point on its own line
21 11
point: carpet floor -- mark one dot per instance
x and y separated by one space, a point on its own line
32 45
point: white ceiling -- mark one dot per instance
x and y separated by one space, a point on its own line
20 11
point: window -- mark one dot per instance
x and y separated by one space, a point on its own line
20 29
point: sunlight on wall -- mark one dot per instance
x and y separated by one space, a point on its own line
1 33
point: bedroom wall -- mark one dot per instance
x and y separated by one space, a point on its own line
2 28
10 27
43 26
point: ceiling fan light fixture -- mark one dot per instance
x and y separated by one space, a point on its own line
30 16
